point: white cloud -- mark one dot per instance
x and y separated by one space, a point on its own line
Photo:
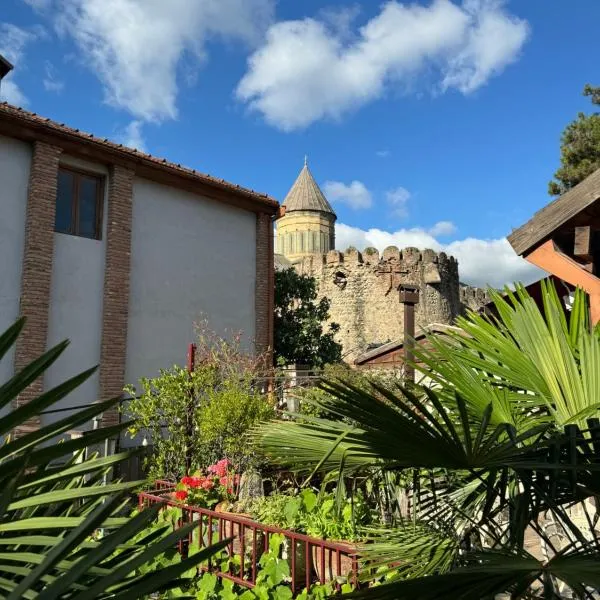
442 228
13 42
398 199
492 45
135 47
11 93
306 70
480 262
51 81
356 195
132 136
383 153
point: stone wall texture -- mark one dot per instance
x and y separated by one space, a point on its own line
473 298
363 290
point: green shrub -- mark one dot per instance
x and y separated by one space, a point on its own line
203 416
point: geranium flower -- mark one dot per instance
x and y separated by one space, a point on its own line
181 494
224 481
186 480
195 482
221 467
208 484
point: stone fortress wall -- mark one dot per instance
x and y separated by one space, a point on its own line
473 298
363 290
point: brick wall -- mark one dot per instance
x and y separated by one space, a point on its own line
113 352
37 266
264 284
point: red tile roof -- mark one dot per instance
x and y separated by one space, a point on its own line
31 126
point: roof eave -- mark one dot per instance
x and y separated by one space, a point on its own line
15 122
554 215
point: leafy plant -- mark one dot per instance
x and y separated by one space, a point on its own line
318 515
194 419
55 502
501 451
579 148
272 581
299 333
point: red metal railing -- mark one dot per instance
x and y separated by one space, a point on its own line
311 560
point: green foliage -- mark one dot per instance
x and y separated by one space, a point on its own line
299 333
494 454
63 533
272 580
317 515
311 397
532 366
580 148
203 415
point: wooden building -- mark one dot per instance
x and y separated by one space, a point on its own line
563 239
391 355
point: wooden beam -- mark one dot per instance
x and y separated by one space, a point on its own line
583 243
549 258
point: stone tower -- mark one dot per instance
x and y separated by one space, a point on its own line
308 225
362 288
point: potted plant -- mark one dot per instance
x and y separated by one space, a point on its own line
337 524
281 510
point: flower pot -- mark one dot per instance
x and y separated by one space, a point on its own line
324 557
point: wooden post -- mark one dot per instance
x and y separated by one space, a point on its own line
409 296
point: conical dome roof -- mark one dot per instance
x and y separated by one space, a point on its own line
306 194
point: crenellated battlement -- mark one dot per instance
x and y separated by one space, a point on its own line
362 287
372 256
473 298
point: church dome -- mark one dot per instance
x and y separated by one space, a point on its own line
306 194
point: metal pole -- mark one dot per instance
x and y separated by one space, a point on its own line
189 432
409 296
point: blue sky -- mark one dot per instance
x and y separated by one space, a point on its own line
426 123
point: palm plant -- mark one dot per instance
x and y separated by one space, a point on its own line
502 450
54 499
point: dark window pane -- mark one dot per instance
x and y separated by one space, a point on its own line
64 202
88 206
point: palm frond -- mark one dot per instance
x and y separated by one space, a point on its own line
54 497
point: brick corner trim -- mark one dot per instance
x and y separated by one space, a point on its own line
113 351
36 273
264 299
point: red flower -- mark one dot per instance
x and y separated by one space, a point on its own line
208 484
229 490
181 494
186 480
224 481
